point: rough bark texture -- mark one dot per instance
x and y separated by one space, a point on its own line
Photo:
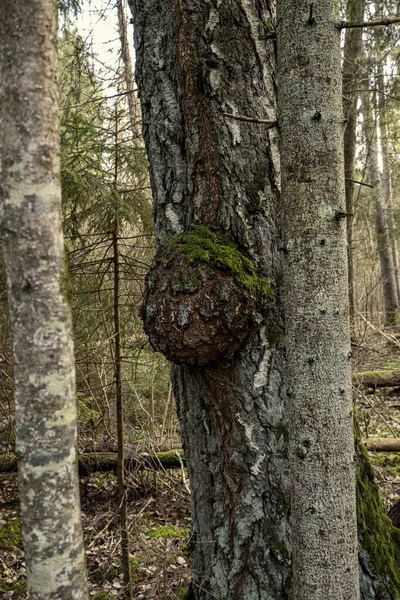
196 60
352 73
321 448
30 203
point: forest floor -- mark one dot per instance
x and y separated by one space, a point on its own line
378 410
159 504
159 524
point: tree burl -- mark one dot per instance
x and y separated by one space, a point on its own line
201 298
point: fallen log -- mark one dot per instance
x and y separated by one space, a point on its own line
103 462
384 378
382 444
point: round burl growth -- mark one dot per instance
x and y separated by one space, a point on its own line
195 310
195 314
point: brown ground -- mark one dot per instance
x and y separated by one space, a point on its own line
159 504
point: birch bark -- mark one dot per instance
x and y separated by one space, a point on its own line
196 61
30 202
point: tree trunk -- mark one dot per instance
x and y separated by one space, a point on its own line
133 103
321 447
389 290
122 488
40 315
195 62
351 76
386 173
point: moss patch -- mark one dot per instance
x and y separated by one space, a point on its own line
203 245
377 534
389 461
10 534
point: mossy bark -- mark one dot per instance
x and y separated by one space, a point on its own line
379 540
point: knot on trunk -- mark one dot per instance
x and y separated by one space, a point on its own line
197 308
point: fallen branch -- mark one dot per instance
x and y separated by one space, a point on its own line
378 378
382 444
103 462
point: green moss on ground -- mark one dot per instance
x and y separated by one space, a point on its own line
203 245
388 461
378 535
10 534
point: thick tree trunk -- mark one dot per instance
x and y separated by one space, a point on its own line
352 72
321 447
196 61
40 315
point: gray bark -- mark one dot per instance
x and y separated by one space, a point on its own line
321 447
196 60
352 73
389 289
30 202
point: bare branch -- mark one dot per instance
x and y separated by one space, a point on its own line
251 120
375 23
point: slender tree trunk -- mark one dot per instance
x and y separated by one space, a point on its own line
40 314
196 61
351 77
321 447
123 501
389 290
129 84
386 174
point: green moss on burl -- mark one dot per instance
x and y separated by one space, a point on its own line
378 535
203 245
